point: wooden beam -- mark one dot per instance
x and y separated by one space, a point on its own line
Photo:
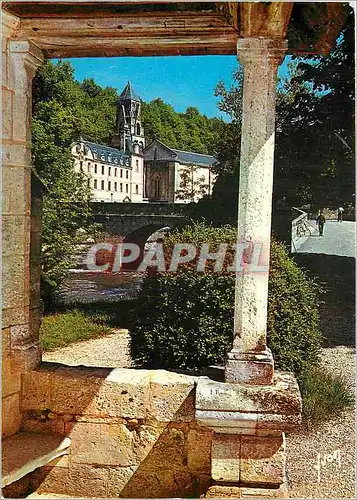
160 33
336 17
261 19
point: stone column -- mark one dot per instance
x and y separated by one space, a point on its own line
22 349
250 360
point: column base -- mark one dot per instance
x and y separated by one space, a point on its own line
255 368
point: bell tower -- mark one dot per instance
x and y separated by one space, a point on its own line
129 134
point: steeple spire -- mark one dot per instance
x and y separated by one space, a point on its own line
129 134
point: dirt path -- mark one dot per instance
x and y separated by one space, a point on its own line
333 443
111 351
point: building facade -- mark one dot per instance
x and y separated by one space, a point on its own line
127 171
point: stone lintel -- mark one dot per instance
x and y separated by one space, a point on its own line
247 409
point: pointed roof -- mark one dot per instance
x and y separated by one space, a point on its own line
129 94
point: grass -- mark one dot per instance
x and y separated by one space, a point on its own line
62 329
324 396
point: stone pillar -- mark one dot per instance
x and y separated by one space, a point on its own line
21 346
250 360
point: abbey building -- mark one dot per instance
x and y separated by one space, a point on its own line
130 171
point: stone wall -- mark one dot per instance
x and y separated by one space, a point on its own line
133 432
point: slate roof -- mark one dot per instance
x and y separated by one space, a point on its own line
108 154
129 94
196 158
165 153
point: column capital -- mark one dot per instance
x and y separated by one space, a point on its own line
257 50
32 55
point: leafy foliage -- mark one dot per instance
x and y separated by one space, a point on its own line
64 110
185 320
189 131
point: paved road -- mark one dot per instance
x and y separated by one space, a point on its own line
339 239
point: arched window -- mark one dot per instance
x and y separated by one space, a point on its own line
138 129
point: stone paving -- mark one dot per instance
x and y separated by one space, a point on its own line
339 238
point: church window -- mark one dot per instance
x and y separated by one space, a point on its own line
127 188
138 129
102 184
137 165
137 189
115 186
88 166
102 169
88 182
109 186
121 172
109 171
127 174
81 166
95 183
95 168
121 187
115 172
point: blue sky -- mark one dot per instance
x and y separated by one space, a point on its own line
179 81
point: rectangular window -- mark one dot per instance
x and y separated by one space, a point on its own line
137 165
121 172
109 170
102 169
95 168
127 174
88 182
127 188
121 187
81 166
109 186
137 189
95 183
115 186
102 184
115 172
88 166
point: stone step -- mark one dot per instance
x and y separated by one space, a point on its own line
24 452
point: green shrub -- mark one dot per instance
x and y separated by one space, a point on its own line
185 320
59 330
324 395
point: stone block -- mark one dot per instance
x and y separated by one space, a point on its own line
20 334
36 390
26 357
40 424
15 234
59 462
218 491
119 478
226 451
169 451
11 382
16 187
102 444
162 484
76 481
172 397
6 112
11 416
15 315
5 343
101 392
199 444
262 460
14 273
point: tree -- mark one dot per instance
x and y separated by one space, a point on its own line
64 111
191 187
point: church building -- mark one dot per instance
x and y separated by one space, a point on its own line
127 171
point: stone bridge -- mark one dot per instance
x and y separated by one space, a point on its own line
136 221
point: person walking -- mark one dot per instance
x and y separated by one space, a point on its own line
340 211
321 221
